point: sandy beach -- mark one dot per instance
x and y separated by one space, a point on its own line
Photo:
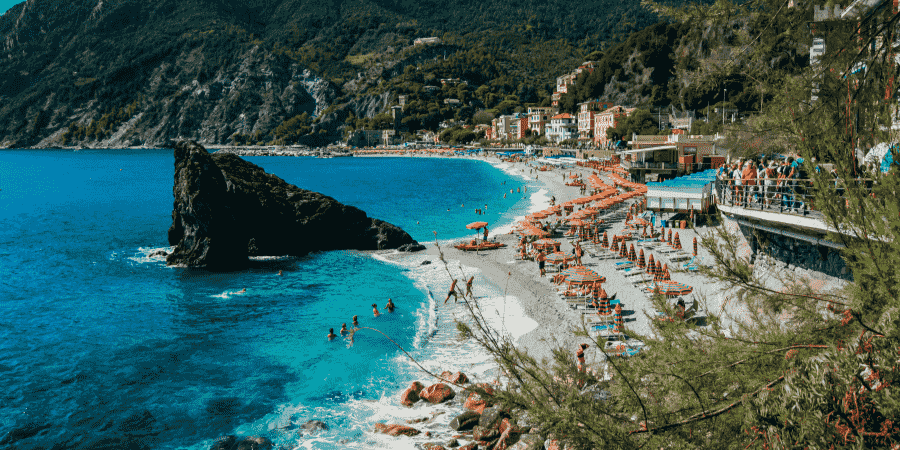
538 297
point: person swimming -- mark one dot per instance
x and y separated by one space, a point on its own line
331 334
375 310
389 306
242 291
355 322
344 330
280 273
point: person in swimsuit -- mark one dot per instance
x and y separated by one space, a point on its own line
344 330
469 286
540 260
580 356
375 310
331 334
389 306
355 322
452 292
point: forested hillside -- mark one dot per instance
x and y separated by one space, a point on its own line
126 72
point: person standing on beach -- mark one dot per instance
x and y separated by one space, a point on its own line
540 260
389 306
579 355
452 292
485 233
578 253
469 285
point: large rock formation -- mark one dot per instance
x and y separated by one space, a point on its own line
227 209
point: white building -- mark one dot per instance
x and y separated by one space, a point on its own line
561 127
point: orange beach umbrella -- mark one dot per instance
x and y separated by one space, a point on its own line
476 225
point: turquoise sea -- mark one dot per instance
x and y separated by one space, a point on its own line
102 346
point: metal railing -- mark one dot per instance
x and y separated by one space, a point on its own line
791 196
649 165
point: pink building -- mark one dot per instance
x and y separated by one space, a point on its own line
586 113
606 120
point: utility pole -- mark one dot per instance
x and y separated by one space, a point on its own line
724 101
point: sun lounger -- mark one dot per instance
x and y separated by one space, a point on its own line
634 271
678 257
624 265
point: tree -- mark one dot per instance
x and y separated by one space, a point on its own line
640 121
806 368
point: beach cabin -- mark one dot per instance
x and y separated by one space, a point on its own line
693 192
656 158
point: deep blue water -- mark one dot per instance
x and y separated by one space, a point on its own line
104 347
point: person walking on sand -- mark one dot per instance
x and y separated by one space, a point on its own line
344 330
469 286
540 260
389 306
579 355
355 322
485 233
578 253
375 310
452 292
331 334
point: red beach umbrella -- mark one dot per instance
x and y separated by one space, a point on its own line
632 256
671 288
659 271
623 252
665 272
557 257
695 246
641 261
605 243
651 264
584 278
677 241
615 245
476 225
662 234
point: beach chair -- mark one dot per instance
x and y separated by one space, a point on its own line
624 265
678 257
633 271
692 266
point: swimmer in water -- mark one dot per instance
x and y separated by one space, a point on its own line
355 322
280 273
242 291
344 330
390 306
375 310
331 334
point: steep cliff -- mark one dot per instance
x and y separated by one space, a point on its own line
227 209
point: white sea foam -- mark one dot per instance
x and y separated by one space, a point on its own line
504 314
510 169
229 294
539 201
143 255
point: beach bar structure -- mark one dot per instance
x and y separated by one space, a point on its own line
693 192
670 156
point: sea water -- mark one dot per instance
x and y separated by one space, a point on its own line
104 346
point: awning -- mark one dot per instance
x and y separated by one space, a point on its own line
650 149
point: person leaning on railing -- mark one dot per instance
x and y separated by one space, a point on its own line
748 178
738 186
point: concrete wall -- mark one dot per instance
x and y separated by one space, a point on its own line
775 253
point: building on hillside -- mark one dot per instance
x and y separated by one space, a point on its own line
554 99
683 120
564 82
561 128
489 133
401 99
452 101
390 137
451 81
364 138
607 119
397 116
654 158
519 128
538 117
427 40
586 112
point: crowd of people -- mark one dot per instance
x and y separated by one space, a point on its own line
389 307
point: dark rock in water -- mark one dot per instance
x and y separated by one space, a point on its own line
157 253
412 247
227 209
465 421
425 263
314 426
247 443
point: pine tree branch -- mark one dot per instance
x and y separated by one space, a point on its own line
707 414
736 363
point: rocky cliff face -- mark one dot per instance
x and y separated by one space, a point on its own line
227 209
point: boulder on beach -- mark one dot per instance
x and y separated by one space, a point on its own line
437 393
411 394
227 209
457 378
465 421
478 402
529 442
246 443
395 430
492 416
